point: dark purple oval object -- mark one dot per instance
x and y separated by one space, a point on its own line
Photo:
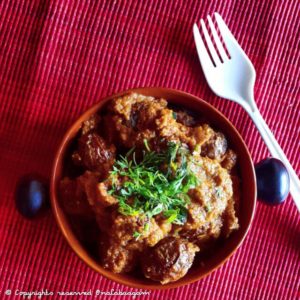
31 196
273 181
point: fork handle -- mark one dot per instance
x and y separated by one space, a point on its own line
277 152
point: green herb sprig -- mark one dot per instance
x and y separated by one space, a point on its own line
157 183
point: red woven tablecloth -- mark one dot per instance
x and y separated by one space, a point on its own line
57 58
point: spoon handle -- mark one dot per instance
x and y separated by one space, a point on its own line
277 152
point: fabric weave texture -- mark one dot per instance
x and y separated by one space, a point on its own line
57 58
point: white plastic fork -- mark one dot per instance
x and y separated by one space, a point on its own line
233 79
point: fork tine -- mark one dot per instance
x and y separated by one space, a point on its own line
228 38
217 39
205 60
210 45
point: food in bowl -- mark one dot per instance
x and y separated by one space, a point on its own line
155 184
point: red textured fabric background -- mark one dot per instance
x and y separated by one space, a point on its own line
57 58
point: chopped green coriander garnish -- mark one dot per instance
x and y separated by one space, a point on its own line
147 145
157 183
147 227
136 235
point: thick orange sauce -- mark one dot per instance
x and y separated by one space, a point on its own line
127 122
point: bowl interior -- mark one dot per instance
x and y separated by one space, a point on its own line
246 173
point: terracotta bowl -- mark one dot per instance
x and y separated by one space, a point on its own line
248 191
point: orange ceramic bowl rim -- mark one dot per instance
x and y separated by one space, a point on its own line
248 200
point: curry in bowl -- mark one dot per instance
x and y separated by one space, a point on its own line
148 187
